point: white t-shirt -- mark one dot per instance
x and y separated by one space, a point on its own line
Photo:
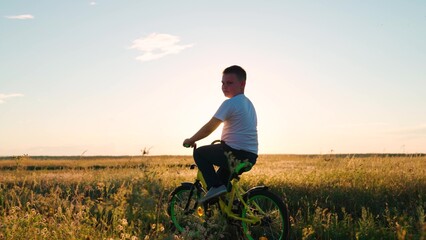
239 123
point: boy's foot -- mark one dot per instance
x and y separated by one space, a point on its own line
213 192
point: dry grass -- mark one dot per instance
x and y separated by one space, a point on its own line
329 197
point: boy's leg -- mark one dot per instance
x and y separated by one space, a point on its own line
207 156
223 173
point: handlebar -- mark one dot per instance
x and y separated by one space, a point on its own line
195 145
188 146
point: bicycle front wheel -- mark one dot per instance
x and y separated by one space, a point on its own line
272 214
183 208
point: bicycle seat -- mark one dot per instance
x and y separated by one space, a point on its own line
243 167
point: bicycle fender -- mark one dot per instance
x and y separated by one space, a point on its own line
255 189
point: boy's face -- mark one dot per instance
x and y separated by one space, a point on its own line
231 86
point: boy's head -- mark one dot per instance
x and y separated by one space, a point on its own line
233 81
237 70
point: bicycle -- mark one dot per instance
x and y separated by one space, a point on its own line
258 212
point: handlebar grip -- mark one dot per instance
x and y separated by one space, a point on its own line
188 146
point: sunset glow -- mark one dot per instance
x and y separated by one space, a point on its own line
113 77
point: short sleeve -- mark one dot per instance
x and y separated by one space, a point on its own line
224 111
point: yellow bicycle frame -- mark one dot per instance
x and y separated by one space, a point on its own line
236 193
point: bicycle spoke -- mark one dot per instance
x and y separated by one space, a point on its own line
272 213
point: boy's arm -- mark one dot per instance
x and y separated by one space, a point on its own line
205 131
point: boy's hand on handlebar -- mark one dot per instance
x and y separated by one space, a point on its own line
188 143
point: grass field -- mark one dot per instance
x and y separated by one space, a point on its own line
328 196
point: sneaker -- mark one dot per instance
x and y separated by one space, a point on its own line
213 192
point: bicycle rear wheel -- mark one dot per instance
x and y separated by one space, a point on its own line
183 208
274 222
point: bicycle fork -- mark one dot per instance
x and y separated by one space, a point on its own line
195 189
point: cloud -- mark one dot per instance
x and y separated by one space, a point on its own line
3 97
21 17
93 3
157 45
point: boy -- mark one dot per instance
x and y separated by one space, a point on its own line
239 134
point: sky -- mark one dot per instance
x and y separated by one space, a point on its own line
107 77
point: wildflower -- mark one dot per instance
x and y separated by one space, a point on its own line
120 228
124 222
161 227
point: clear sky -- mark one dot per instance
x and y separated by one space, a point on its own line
107 77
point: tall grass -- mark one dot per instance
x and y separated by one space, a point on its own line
329 197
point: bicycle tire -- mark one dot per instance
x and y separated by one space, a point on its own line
275 222
178 200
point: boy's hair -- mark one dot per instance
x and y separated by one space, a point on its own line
237 70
